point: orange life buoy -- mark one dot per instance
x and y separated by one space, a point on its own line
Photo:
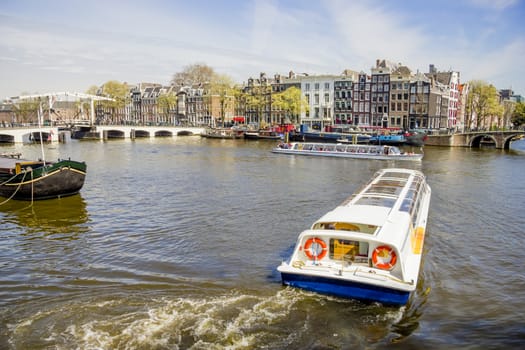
308 251
384 257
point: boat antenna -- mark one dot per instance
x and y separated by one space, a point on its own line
40 116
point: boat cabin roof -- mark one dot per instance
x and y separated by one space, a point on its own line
388 199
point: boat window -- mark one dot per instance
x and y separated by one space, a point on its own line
329 148
396 175
345 226
377 201
348 250
340 148
385 190
307 147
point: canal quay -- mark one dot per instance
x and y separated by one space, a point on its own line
498 139
173 243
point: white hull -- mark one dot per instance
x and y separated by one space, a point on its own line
370 246
346 151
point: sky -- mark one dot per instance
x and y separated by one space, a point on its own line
70 45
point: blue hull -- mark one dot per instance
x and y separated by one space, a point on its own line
395 140
345 289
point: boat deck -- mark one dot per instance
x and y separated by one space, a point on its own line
9 160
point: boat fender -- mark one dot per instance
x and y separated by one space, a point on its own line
309 251
384 257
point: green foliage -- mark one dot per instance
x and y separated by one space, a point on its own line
222 86
518 115
26 110
257 99
290 101
116 90
483 102
167 102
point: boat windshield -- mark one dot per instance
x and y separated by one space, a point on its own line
346 226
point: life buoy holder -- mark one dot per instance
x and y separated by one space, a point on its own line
308 250
384 257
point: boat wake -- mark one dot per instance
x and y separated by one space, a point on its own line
288 319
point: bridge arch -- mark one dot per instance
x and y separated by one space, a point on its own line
141 133
114 134
37 136
478 140
163 133
508 140
4 138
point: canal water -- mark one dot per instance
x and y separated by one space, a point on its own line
174 244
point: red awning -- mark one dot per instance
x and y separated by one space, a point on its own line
238 119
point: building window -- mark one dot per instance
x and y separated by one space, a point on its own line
307 87
327 86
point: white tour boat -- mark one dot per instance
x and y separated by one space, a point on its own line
369 247
382 152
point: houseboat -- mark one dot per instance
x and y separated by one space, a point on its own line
24 179
346 151
368 248
223 133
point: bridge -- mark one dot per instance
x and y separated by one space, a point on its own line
105 132
498 139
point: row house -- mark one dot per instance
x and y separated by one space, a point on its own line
220 106
319 94
257 99
451 80
437 105
144 108
399 98
391 96
361 100
280 84
191 107
380 93
419 102
343 92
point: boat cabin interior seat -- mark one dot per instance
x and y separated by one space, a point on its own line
345 226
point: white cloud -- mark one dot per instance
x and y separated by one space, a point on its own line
151 42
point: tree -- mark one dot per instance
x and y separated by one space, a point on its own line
518 116
258 100
116 90
167 103
291 103
221 86
193 75
26 110
482 103
119 92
